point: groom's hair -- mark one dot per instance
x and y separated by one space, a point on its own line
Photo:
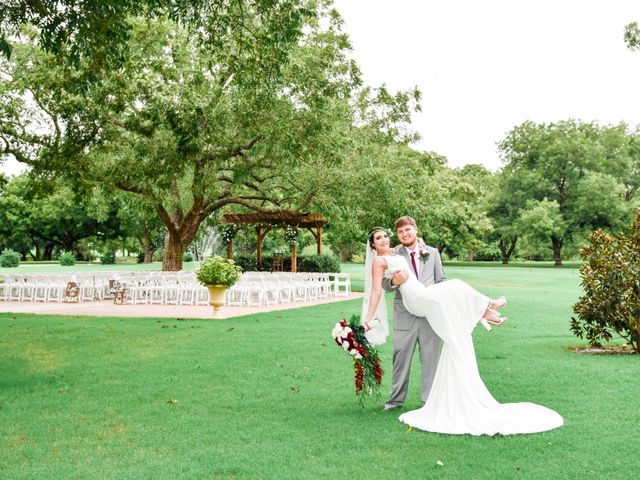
406 220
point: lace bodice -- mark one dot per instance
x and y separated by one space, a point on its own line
394 264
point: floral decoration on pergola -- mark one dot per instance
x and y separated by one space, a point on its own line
265 222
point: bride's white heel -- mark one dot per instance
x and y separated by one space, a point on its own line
499 303
495 319
485 324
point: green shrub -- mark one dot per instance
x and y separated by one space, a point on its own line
140 257
248 262
187 257
67 259
611 303
306 263
9 258
218 271
108 258
318 263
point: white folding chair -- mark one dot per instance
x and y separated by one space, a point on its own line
342 284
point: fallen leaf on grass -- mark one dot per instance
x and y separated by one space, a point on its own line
173 401
409 430
294 390
440 463
229 329
517 468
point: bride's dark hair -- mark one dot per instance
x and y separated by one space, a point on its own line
371 233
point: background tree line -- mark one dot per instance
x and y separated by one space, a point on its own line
187 112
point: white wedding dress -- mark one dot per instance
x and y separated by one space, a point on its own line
459 402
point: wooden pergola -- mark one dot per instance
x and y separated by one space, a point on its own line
265 222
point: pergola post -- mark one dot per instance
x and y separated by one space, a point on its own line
230 250
294 257
318 236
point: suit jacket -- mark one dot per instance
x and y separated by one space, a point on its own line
431 272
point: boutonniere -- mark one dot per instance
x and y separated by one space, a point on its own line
423 253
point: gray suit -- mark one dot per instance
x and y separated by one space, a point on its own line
409 330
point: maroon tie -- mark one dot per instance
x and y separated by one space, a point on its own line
413 263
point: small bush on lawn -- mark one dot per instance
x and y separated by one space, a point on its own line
611 303
67 259
108 258
140 257
187 257
9 258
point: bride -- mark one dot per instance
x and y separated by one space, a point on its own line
459 402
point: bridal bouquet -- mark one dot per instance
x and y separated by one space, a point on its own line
366 362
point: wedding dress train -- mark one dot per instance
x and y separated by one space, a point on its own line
459 402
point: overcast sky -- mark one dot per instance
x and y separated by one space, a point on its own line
485 66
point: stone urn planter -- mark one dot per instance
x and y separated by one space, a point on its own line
216 298
217 274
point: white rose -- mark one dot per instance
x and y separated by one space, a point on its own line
337 331
345 333
346 346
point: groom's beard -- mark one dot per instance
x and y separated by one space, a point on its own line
411 245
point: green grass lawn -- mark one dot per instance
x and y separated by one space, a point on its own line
270 396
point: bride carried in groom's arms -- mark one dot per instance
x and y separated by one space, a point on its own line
429 311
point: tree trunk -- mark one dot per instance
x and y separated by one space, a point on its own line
146 243
507 251
470 254
48 251
173 251
176 243
556 245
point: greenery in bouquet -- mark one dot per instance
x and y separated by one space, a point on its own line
216 270
366 361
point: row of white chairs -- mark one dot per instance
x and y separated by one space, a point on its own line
171 288
264 288
178 288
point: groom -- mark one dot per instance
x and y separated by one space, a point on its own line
409 330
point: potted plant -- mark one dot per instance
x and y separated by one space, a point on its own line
217 274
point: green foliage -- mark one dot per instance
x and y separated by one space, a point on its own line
357 258
248 262
563 178
140 257
611 280
319 263
305 263
216 270
108 258
632 36
96 31
67 259
187 257
9 258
